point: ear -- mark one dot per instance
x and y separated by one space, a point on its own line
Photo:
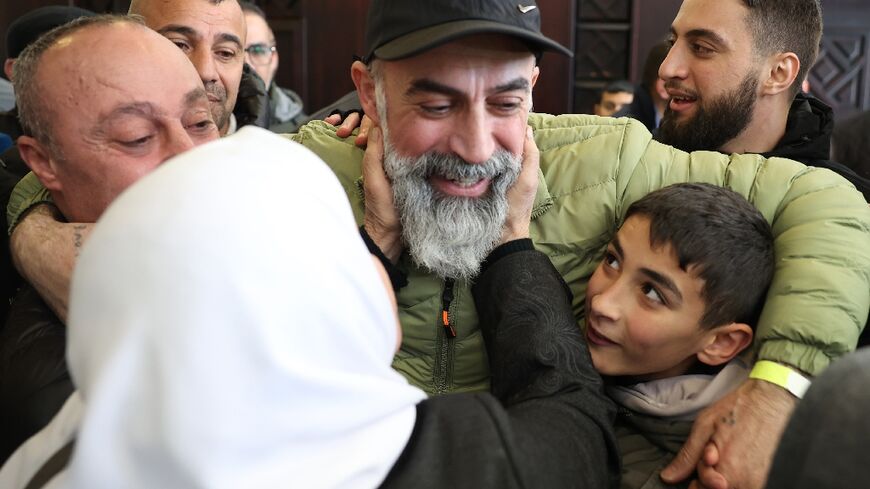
724 343
365 88
40 161
8 68
783 69
535 74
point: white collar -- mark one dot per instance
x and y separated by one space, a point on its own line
683 396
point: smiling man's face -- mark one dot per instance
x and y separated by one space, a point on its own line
454 121
711 73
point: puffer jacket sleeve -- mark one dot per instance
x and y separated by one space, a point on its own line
28 193
818 301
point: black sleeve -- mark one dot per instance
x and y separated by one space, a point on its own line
252 101
12 169
398 278
34 379
547 422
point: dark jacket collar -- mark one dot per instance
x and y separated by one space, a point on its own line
807 131
808 139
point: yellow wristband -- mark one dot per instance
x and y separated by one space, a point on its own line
782 376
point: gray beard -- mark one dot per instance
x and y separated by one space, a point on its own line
448 235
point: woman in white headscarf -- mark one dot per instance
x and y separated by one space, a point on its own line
229 329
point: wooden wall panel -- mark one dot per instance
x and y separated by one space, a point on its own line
602 51
651 22
841 75
335 33
553 94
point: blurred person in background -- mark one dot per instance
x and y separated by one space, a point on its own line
285 106
614 97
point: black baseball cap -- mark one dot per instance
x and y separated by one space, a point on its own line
27 28
397 29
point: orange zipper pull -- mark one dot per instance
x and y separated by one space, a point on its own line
446 299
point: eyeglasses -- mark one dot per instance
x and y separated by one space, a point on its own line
260 54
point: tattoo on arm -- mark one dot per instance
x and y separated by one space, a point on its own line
78 237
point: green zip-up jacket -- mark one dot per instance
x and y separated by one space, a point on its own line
592 169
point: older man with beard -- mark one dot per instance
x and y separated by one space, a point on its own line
734 75
450 232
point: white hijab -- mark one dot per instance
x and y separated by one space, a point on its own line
228 329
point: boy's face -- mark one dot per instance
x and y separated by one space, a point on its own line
642 311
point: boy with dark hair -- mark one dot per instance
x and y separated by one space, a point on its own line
671 305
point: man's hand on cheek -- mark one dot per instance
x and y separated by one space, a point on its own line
521 197
381 217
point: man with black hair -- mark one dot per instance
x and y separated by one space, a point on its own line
614 97
734 74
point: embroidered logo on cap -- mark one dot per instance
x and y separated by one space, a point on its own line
526 9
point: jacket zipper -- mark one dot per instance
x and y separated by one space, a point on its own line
446 299
445 335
